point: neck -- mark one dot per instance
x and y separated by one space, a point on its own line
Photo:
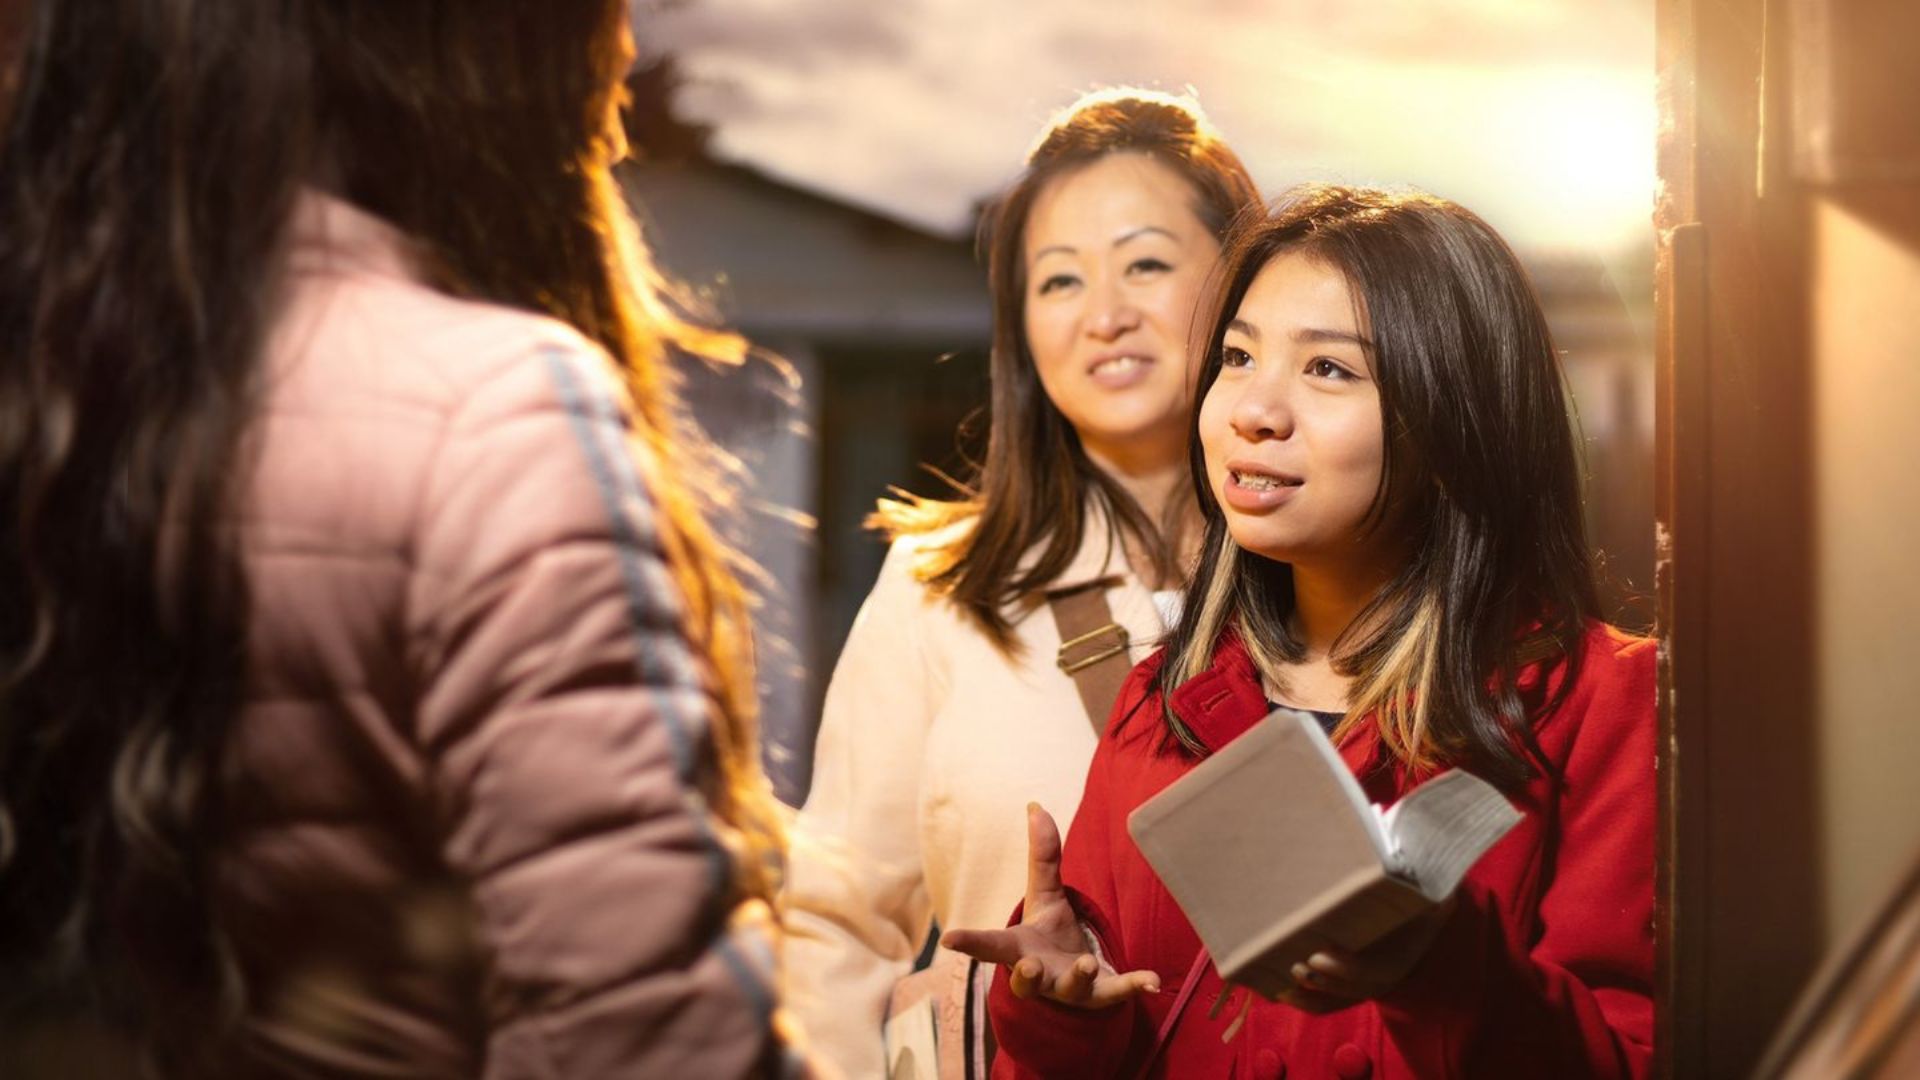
1164 492
1327 600
1158 482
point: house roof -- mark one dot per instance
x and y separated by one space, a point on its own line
780 262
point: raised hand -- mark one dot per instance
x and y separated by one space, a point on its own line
1050 954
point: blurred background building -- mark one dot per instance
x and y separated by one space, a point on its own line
874 343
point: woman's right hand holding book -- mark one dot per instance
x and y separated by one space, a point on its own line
1050 953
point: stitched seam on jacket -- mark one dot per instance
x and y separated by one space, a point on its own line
649 602
759 995
588 414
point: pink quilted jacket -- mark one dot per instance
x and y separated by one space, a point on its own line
465 836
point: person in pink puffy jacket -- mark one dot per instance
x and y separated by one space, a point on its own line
373 700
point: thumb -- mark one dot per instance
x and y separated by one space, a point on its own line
1043 859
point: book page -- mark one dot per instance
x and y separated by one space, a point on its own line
1441 828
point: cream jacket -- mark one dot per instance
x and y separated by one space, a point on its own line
930 747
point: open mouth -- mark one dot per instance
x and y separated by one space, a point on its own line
1119 365
1260 481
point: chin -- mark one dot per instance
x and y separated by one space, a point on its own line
1270 555
1139 430
1260 542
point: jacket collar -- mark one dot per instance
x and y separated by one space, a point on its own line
330 235
1221 703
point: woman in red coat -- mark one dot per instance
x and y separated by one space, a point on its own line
1394 543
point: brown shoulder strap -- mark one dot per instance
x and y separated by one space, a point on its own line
1093 648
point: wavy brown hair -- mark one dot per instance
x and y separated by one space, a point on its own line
152 156
1036 483
1480 471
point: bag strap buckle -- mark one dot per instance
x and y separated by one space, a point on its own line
1100 643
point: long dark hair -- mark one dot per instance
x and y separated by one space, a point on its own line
1480 473
153 153
1036 482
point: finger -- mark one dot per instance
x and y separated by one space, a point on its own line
1076 983
1336 966
1372 971
1028 977
1114 989
992 946
1043 860
1024 977
1318 977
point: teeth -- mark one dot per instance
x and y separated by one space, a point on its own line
1258 481
1120 363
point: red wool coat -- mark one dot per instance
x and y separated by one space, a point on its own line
1545 969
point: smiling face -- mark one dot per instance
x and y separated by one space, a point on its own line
1115 260
1291 427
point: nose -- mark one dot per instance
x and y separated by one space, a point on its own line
1262 411
1113 313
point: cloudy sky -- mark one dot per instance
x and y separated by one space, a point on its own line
1537 113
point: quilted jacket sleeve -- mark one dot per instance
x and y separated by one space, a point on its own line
856 901
564 720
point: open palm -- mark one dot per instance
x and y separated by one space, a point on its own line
1050 954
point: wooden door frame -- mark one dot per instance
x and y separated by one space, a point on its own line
1737 911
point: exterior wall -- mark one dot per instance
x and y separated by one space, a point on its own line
1599 313
783 264
1865 316
861 310
767 424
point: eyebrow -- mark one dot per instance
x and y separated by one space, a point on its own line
1335 337
1128 237
1123 238
1304 337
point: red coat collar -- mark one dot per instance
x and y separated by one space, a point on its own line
1221 703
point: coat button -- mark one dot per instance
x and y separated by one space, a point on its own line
1352 1063
1269 1065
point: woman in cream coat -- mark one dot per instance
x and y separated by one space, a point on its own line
948 712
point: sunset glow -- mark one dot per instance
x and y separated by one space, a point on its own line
1538 115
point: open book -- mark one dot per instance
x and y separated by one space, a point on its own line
1273 852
